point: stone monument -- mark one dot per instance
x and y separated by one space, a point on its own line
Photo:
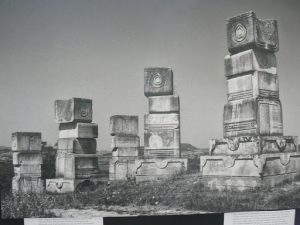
76 160
125 146
27 161
254 151
161 128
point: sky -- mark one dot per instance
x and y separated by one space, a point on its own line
61 49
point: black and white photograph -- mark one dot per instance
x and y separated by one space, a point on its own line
125 108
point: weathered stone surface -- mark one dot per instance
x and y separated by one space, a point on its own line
30 157
250 165
249 61
72 166
61 185
73 110
121 169
78 130
125 141
252 85
26 141
164 104
27 185
153 169
250 145
124 125
164 121
28 170
162 139
252 117
158 81
125 153
246 31
78 145
244 183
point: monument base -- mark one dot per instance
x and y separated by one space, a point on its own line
62 185
155 169
121 169
27 184
249 171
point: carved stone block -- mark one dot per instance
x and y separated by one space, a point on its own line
23 157
163 121
121 169
27 184
249 61
154 169
162 139
71 166
78 145
251 85
250 145
164 104
26 141
61 185
246 31
158 81
125 154
253 117
125 141
248 171
78 130
73 110
124 125
28 170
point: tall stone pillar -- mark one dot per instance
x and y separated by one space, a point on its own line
161 128
27 161
76 160
125 146
254 151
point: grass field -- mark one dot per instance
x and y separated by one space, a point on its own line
182 192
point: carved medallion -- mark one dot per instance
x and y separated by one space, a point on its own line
83 110
233 144
281 143
157 80
155 141
240 33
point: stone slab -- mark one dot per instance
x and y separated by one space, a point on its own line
26 141
154 169
244 183
249 61
61 185
28 170
250 165
78 130
124 125
162 139
73 110
125 141
250 145
78 145
122 169
164 104
27 157
246 31
253 117
125 153
27 185
164 121
71 166
158 81
252 85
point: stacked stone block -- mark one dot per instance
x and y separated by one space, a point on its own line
27 161
125 146
161 128
76 160
254 151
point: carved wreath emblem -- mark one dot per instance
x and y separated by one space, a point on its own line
157 80
83 110
233 144
240 32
